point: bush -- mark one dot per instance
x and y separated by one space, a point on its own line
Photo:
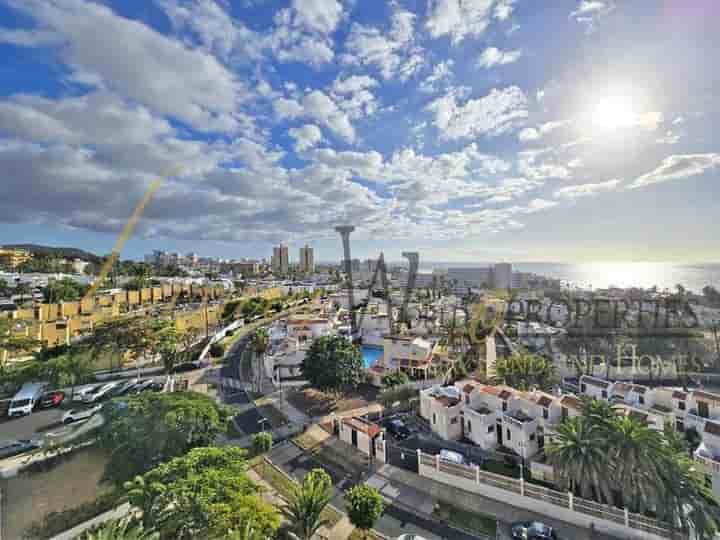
395 379
261 443
217 350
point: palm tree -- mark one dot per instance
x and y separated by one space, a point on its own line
579 453
306 504
123 529
260 344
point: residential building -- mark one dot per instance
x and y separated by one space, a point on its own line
442 407
502 276
307 260
12 258
363 435
280 261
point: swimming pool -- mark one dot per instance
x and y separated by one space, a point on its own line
370 355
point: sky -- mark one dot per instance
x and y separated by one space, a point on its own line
506 130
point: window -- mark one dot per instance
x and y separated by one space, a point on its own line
532 436
681 405
508 435
434 419
469 427
491 429
504 406
564 412
546 414
453 420
641 400
583 388
467 399
604 394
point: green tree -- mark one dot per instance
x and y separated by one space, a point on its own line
364 505
397 378
306 504
261 443
204 494
72 368
149 429
123 529
333 363
524 370
64 290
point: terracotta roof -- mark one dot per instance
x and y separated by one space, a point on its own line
364 426
492 390
595 382
677 394
448 402
571 402
505 394
468 388
699 394
712 428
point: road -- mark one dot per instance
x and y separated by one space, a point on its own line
27 427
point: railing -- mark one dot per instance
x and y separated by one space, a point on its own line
710 463
558 498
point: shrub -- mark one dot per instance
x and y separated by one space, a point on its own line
261 442
217 350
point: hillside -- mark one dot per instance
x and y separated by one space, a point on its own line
60 252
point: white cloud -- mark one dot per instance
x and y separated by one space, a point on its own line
586 190
531 166
535 133
503 9
321 108
306 136
492 56
528 134
442 73
678 167
393 54
589 12
669 138
318 15
354 83
493 114
140 63
353 95
459 18
29 38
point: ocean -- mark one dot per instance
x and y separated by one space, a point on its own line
608 274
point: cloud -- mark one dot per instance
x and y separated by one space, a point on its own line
492 56
493 114
589 12
535 133
586 190
528 134
29 38
531 166
503 9
321 108
669 138
459 18
306 136
352 84
320 16
140 63
394 54
354 97
678 167
441 74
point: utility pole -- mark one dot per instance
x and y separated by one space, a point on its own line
345 231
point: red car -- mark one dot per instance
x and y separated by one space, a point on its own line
51 399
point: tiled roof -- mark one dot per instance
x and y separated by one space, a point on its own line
468 388
505 394
364 426
571 402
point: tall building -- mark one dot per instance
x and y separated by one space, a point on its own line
307 259
502 276
280 261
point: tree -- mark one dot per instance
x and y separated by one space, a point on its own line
13 342
120 336
149 429
333 363
123 529
364 505
397 378
524 370
261 443
306 504
64 290
217 350
73 368
203 494
260 344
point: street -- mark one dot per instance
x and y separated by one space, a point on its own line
27 427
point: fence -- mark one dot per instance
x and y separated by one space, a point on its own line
564 505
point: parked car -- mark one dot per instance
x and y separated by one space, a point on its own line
51 399
398 429
99 393
82 392
142 386
453 457
411 536
26 399
532 530
80 415
14 448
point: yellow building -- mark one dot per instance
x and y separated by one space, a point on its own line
13 258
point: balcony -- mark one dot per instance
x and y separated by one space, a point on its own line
518 418
708 458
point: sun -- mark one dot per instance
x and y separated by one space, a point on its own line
613 112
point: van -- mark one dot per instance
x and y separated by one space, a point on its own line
24 401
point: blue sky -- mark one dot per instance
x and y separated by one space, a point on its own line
519 130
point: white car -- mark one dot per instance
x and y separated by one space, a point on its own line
80 394
97 394
411 537
80 415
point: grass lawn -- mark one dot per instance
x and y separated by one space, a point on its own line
284 487
463 519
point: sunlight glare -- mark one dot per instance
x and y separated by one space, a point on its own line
613 112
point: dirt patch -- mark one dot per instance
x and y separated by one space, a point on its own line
313 402
28 497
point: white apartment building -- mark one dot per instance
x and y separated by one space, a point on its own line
442 407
